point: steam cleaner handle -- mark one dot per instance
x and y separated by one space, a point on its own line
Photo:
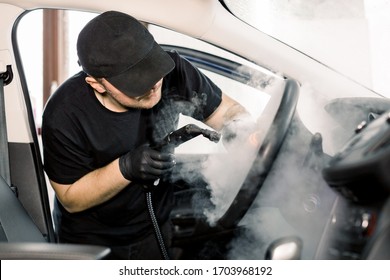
184 134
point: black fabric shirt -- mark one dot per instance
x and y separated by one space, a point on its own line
80 135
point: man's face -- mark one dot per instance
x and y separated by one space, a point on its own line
146 101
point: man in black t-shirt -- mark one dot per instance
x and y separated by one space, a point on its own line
99 126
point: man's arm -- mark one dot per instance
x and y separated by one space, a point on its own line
229 110
236 124
93 189
143 164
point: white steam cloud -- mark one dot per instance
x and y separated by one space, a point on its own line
295 200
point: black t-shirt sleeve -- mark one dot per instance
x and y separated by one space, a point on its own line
203 94
66 151
65 159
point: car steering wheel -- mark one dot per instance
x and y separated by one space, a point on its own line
264 159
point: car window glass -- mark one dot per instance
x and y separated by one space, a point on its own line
350 37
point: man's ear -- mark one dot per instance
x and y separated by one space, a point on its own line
96 85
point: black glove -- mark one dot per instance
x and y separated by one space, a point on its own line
145 164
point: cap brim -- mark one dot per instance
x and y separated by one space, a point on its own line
140 78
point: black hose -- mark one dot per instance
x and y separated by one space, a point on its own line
173 140
156 227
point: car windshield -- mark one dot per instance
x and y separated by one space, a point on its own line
350 36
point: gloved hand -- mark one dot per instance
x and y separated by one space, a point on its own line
145 164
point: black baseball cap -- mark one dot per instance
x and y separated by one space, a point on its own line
117 47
